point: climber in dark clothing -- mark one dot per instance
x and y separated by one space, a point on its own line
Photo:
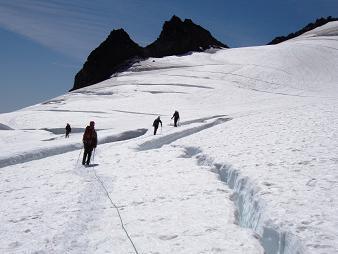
176 117
68 130
89 142
156 123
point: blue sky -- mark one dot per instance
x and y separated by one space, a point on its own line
44 43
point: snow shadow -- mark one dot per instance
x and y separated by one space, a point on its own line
167 139
89 92
200 120
165 92
179 85
250 207
73 111
51 139
92 165
4 127
55 101
141 68
123 136
37 154
55 150
190 152
136 113
58 131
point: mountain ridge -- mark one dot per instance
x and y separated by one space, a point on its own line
107 58
118 50
267 178
179 37
319 22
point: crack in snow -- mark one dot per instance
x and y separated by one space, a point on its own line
51 151
250 208
167 139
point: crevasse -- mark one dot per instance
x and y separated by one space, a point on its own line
250 208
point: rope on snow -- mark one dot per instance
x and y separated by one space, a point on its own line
111 201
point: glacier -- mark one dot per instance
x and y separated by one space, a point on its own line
252 168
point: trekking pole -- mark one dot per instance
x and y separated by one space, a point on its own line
78 158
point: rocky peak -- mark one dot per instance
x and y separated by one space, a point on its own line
118 50
319 22
180 37
107 58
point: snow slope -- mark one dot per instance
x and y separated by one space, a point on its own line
252 167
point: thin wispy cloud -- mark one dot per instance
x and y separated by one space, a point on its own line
76 27
70 27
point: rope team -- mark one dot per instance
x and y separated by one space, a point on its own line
89 138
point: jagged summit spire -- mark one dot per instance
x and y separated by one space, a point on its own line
107 58
179 37
120 32
174 19
117 51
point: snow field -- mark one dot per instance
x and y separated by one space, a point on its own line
43 150
277 157
182 216
291 160
163 210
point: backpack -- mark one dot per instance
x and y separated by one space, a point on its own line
88 136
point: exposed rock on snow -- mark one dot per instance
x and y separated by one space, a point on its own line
107 59
118 51
311 26
180 37
267 178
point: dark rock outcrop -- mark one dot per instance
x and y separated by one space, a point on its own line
319 22
107 58
179 37
118 50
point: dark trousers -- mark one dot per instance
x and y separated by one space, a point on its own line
67 134
155 129
87 154
175 122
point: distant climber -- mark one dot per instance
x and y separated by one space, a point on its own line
68 130
176 117
89 142
156 123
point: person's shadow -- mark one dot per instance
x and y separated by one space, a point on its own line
92 165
